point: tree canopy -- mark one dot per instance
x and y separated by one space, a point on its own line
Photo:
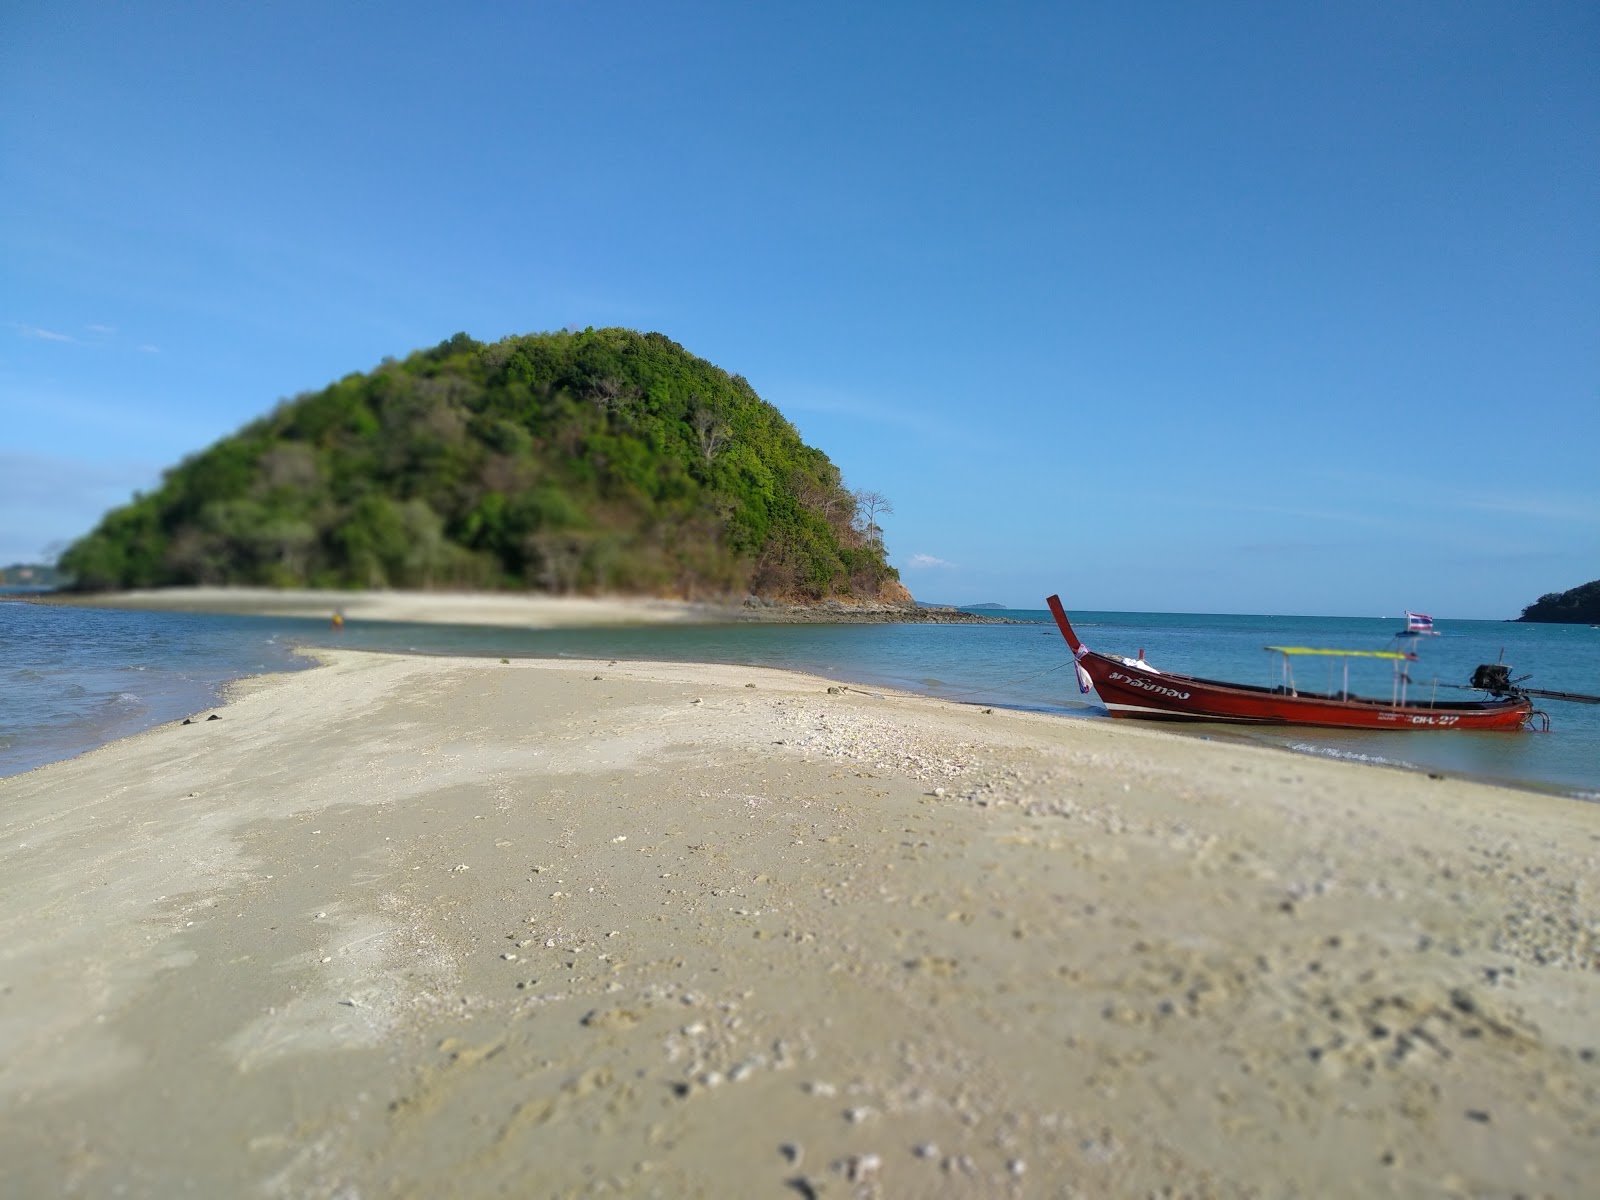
1579 605
606 460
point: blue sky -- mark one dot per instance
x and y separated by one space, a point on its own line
1226 307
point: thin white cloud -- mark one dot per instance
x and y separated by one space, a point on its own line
27 479
48 501
1522 501
927 560
43 335
1549 508
95 334
1223 504
792 399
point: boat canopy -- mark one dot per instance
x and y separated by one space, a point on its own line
1343 653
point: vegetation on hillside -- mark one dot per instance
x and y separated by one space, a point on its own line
606 460
1579 605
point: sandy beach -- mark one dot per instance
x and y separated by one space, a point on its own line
420 927
512 610
525 610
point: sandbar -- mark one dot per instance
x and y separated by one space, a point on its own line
509 609
506 609
416 927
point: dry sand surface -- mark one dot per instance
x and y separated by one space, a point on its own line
512 609
433 927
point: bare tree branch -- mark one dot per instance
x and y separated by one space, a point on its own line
709 427
869 506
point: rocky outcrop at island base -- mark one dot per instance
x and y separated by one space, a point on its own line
893 602
892 596
895 592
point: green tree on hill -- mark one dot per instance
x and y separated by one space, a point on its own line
1579 605
606 460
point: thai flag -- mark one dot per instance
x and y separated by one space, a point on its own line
1418 622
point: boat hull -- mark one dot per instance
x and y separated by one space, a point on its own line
1135 692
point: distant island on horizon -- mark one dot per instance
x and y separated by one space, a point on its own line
1575 606
42 576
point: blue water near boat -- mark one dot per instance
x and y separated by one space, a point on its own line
73 678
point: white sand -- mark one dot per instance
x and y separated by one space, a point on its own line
424 927
511 609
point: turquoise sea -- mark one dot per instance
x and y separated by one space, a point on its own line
75 678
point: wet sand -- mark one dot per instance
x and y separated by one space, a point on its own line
441 927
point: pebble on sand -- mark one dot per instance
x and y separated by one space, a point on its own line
862 1167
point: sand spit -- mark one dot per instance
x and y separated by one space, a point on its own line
514 610
517 610
440 927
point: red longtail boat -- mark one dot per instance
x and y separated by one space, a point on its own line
1131 687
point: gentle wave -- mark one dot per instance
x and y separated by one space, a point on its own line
64 685
1377 760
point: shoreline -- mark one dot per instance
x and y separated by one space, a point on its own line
508 611
1569 792
407 925
503 609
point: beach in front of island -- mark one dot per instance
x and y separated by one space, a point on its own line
511 609
423 926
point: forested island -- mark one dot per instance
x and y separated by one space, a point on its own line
1576 606
29 575
600 461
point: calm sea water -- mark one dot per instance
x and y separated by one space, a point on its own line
73 678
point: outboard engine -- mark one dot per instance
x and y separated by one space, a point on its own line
1494 678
